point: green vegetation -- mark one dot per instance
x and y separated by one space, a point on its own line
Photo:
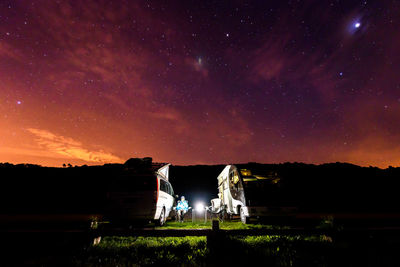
194 251
301 250
227 225
186 225
144 251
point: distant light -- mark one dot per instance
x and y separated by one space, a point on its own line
357 25
341 73
19 102
199 207
245 172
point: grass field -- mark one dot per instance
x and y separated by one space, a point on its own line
193 251
186 251
301 250
223 225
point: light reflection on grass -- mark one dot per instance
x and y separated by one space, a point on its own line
194 251
223 225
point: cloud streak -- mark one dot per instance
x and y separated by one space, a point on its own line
276 81
70 148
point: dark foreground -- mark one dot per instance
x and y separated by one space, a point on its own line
41 196
356 248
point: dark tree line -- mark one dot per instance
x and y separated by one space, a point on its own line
328 187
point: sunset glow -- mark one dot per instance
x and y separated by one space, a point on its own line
190 82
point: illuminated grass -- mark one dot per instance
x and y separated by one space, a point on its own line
223 225
195 251
185 225
144 251
126 242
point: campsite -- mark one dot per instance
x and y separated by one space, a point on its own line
199 133
72 228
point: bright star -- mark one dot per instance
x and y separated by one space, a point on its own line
354 25
19 102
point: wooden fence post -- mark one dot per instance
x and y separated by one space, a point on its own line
215 225
214 235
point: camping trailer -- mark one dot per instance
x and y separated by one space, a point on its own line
251 191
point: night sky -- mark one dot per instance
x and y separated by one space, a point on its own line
200 82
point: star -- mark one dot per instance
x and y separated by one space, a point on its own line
357 25
19 102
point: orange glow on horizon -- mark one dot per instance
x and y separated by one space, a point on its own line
85 82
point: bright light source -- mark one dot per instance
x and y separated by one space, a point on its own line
199 207
357 24
245 172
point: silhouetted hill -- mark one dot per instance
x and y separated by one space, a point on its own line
340 186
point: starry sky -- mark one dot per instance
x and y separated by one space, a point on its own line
200 82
